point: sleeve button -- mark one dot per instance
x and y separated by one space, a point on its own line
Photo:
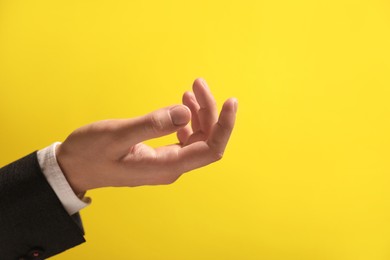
36 253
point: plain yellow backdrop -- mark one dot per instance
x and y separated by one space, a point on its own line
306 174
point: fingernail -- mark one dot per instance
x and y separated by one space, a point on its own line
179 115
204 83
235 105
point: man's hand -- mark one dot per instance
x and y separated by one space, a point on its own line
111 152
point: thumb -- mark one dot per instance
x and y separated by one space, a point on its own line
158 123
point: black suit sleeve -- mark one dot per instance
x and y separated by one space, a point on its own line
33 222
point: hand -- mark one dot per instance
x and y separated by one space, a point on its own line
111 152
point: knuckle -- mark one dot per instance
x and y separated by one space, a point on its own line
106 126
155 124
216 151
217 156
167 182
169 179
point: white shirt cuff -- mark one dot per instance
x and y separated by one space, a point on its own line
51 170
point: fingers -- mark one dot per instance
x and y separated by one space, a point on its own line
197 134
183 134
222 130
169 162
207 111
189 100
203 111
200 154
155 124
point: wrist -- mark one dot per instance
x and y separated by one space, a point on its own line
67 167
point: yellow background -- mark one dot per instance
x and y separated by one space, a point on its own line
306 174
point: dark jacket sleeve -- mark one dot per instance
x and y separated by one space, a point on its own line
33 222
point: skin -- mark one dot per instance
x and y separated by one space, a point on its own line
111 153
